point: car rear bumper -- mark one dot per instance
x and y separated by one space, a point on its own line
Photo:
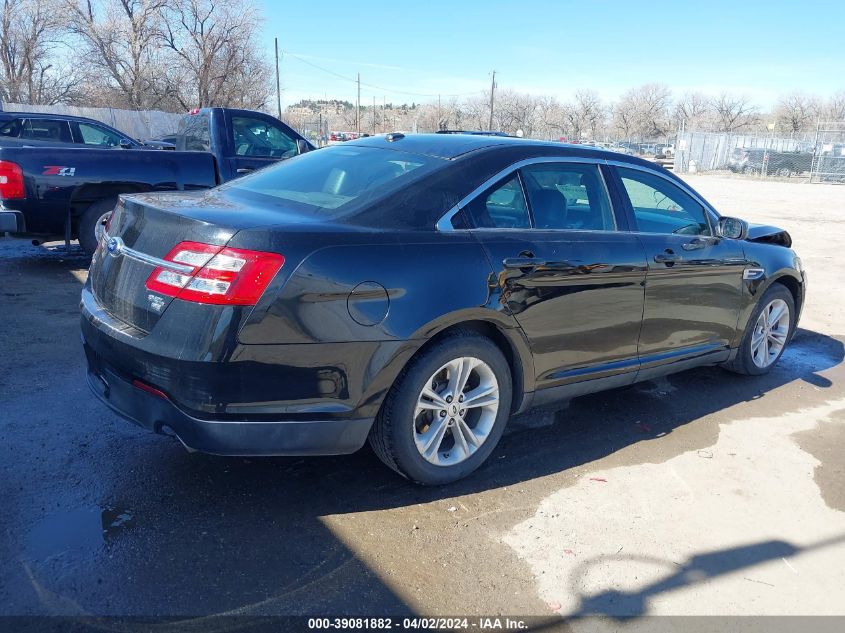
155 412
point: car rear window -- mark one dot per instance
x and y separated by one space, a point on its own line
335 179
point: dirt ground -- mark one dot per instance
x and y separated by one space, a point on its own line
703 493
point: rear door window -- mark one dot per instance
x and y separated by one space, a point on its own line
502 206
568 196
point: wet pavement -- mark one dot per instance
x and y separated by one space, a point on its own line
100 517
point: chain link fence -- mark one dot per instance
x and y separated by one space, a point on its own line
829 156
768 155
818 157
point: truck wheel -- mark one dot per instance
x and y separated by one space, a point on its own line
446 411
92 223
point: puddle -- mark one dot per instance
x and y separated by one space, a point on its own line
81 530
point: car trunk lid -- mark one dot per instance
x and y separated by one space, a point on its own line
140 234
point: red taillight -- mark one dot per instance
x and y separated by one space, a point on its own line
218 275
11 181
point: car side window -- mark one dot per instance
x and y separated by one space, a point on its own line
46 130
502 206
261 138
96 135
568 196
662 207
195 135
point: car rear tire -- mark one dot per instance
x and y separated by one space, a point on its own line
768 331
92 223
446 411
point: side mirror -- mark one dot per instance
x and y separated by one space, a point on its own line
302 146
732 228
124 144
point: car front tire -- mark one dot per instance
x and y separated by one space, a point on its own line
769 330
446 411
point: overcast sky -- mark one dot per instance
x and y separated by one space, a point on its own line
426 47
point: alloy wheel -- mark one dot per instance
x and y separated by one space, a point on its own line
770 333
456 411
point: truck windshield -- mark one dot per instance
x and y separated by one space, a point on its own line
335 179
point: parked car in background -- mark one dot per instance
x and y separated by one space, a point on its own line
755 160
166 141
50 191
27 128
417 291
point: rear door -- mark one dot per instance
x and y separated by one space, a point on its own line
694 281
567 272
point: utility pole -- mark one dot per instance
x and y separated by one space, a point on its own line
439 116
278 90
358 107
374 115
492 96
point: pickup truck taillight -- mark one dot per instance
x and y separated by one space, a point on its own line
11 181
218 275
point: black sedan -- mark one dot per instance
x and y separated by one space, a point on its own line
416 292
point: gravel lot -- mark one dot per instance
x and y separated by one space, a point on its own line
702 493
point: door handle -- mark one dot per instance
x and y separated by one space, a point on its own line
245 170
670 259
523 262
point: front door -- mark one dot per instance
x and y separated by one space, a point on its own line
573 281
694 280
257 141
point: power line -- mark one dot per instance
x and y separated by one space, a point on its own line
368 85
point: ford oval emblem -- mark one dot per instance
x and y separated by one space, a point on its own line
114 246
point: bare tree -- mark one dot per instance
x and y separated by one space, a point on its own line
217 61
643 111
797 113
120 42
834 107
693 109
733 112
515 111
587 112
30 31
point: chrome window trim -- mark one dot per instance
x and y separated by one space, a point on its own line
131 253
444 224
709 211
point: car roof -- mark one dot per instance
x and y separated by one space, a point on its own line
47 115
451 146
